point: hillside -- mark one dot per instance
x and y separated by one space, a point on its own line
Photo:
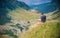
13 4
56 15
23 15
8 5
45 30
14 14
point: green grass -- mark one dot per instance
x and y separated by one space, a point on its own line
17 15
22 14
56 15
46 30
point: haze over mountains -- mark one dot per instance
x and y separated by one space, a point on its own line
45 8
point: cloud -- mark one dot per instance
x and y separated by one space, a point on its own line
35 2
26 1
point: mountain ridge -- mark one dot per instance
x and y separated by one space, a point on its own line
8 5
45 8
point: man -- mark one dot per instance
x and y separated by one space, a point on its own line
43 18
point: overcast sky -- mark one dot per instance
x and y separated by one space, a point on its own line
35 2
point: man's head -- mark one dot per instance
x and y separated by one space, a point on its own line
42 13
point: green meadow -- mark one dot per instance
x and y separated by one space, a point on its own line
50 29
15 15
45 30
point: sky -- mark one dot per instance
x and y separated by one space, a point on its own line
35 2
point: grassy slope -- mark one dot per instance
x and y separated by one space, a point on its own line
46 30
56 15
21 14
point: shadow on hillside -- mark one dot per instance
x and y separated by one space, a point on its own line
3 13
3 16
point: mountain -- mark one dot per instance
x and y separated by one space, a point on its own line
12 4
9 5
23 5
45 8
